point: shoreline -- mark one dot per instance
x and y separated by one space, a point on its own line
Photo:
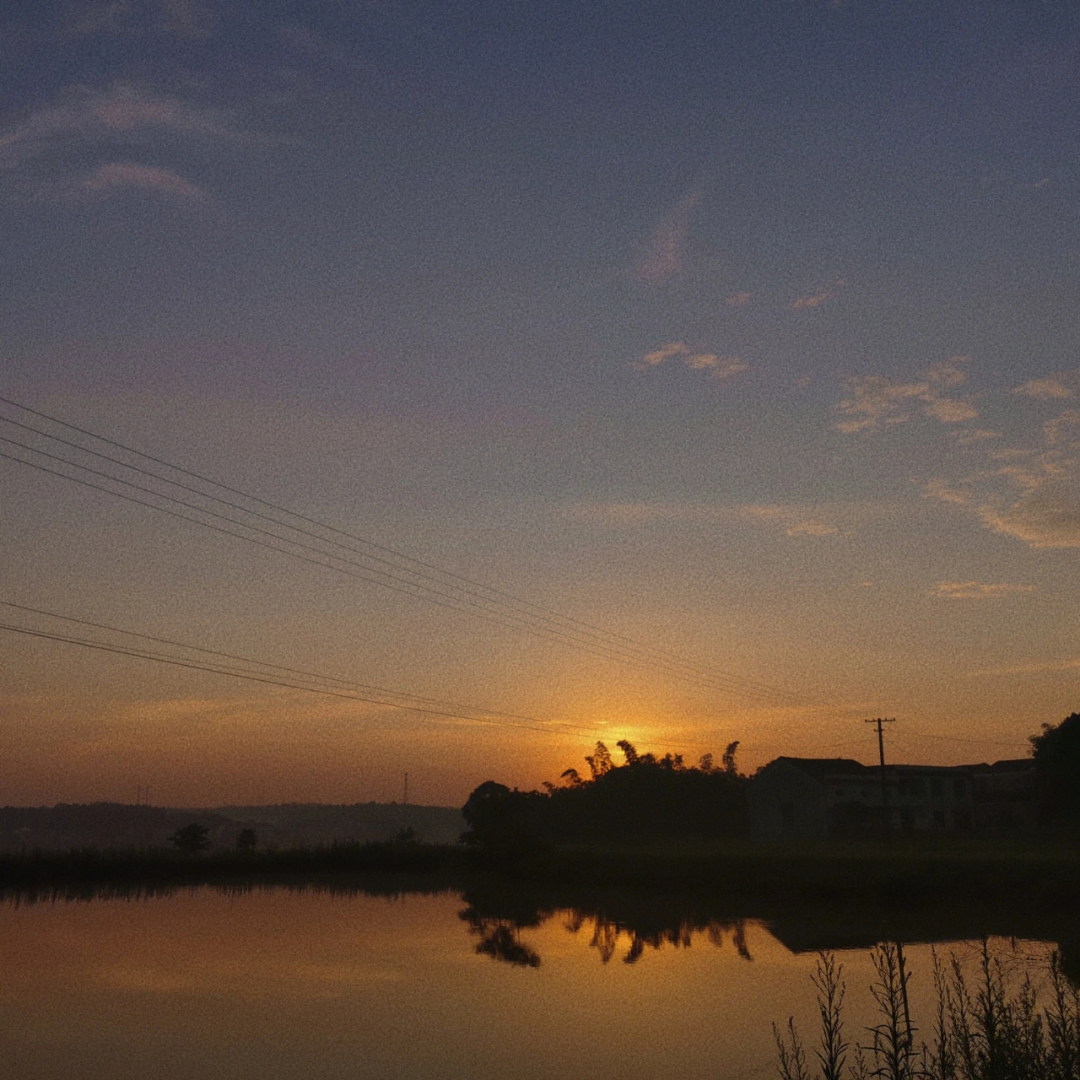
837 872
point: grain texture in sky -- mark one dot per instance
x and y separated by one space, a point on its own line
745 332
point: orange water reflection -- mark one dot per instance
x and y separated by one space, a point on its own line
279 984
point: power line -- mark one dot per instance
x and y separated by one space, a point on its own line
708 683
462 712
334 680
401 557
961 739
471 598
397 555
305 680
548 617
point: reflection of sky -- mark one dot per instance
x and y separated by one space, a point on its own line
746 330
309 985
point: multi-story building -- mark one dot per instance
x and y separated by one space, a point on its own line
814 798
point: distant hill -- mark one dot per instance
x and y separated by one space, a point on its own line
289 824
117 825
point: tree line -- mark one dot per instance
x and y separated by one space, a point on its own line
645 795
651 795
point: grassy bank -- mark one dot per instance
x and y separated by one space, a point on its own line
92 872
825 871
829 873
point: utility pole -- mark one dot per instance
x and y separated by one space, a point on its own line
405 798
881 754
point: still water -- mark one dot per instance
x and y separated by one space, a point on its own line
321 986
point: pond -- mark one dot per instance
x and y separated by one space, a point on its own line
334 984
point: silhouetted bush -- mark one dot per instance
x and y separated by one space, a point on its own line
645 796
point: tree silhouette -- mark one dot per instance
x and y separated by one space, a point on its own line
1057 769
646 796
729 758
600 761
191 838
500 818
247 840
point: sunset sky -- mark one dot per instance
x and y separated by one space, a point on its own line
738 340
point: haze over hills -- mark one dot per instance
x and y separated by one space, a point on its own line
119 825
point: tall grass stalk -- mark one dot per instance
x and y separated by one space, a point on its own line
984 1027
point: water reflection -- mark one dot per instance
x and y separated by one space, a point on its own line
497 913
500 938
637 921
335 979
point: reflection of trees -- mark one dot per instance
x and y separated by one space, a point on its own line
606 934
501 940
497 911
632 921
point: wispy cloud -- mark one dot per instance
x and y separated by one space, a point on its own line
970 436
85 114
665 352
44 155
815 299
1048 389
1063 430
875 401
941 489
128 174
793 520
738 299
98 16
187 18
663 258
1030 492
190 19
1048 517
719 367
976 590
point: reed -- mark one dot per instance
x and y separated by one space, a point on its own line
985 1027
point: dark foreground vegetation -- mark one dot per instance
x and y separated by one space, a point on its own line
987 1025
96 873
828 873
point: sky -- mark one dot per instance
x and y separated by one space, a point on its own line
697 372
